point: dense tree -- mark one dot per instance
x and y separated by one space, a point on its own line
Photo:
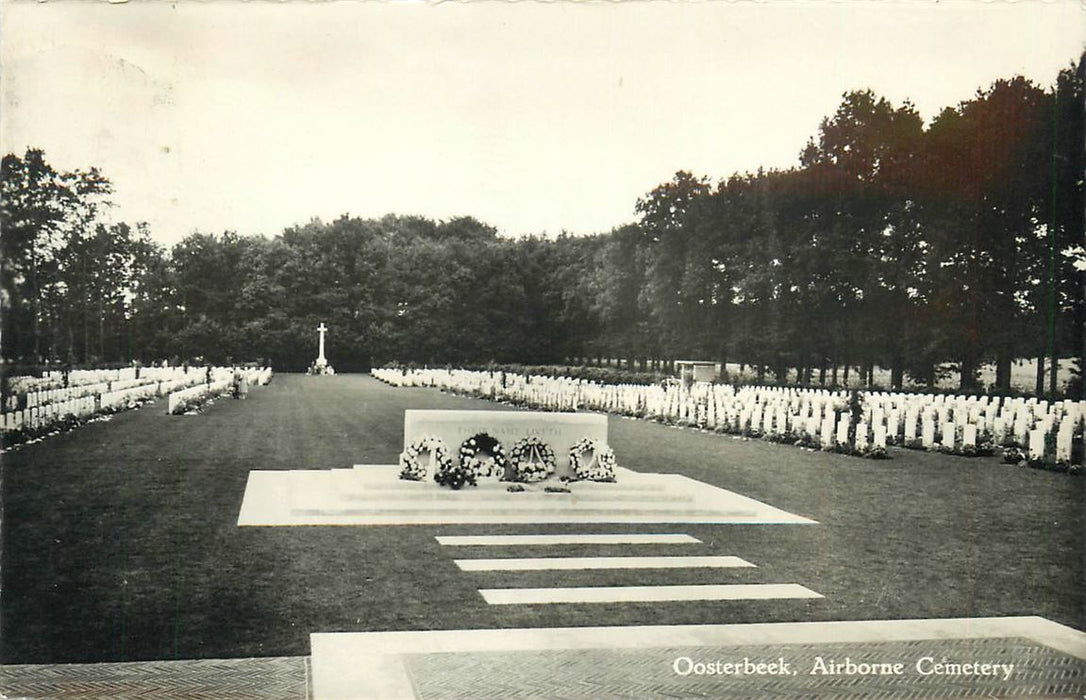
893 242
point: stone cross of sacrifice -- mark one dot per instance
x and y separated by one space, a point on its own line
320 355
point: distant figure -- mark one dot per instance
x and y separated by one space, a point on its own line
243 386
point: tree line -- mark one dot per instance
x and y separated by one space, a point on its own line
893 243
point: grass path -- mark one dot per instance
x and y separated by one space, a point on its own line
119 540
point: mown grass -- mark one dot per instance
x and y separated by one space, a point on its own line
120 539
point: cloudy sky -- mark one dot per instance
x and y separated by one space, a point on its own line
534 117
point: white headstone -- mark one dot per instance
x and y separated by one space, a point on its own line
969 436
1036 444
880 436
826 437
1021 429
861 435
1063 443
949 430
927 432
910 425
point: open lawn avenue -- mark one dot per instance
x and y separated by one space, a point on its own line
121 539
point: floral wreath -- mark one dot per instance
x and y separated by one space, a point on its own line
482 442
602 465
531 459
412 469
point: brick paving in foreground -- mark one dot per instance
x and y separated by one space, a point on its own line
275 678
598 674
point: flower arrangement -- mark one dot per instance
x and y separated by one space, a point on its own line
531 460
599 467
412 469
482 444
1013 455
454 476
876 452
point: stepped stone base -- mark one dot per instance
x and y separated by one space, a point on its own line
375 495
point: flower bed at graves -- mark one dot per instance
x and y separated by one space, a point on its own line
192 399
855 423
222 380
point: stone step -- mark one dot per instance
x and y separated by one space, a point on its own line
592 563
644 594
534 540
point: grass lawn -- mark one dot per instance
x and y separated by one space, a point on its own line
119 540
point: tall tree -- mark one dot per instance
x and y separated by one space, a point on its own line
41 211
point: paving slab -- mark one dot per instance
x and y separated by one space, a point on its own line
1014 657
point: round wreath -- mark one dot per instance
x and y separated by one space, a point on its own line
531 459
414 470
601 467
482 443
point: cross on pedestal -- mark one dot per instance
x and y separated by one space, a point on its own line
320 354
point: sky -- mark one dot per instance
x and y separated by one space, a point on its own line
533 117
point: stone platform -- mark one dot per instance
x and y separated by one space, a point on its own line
375 495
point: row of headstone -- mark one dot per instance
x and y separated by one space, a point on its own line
122 397
162 384
953 423
81 406
56 379
89 399
43 416
90 382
